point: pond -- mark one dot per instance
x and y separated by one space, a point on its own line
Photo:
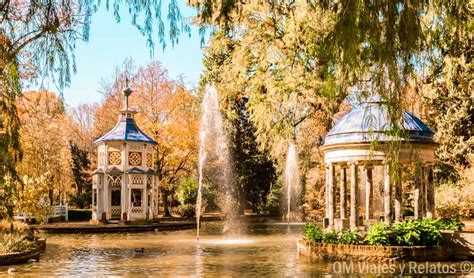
267 249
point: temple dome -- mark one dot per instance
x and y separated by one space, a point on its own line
370 122
126 130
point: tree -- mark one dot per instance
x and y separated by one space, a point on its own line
391 44
450 95
168 112
82 182
32 199
274 63
296 70
37 41
81 126
45 147
386 41
383 40
254 171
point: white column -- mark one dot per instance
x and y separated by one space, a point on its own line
106 198
94 189
151 209
123 197
387 195
129 198
331 196
417 198
98 213
342 191
369 195
156 191
145 198
105 190
430 192
326 195
424 191
354 217
398 197
123 187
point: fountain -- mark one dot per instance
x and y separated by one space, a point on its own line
213 138
292 180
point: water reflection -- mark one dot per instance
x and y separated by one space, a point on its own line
227 241
266 250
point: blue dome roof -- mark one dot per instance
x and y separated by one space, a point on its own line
126 130
370 122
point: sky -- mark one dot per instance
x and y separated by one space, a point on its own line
110 43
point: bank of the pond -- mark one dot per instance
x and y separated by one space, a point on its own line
84 227
455 246
159 224
370 253
24 256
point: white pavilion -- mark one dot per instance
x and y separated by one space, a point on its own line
357 147
124 185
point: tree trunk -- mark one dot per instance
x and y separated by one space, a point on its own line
166 209
51 196
79 190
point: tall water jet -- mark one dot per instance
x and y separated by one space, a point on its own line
213 142
292 180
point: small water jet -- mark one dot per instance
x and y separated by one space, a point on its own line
213 137
292 180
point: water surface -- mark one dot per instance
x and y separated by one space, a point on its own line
265 250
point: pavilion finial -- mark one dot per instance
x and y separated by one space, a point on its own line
127 92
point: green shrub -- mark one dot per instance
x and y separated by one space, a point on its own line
273 201
349 237
81 201
187 210
429 232
407 232
79 214
331 237
186 194
313 233
449 224
379 234
187 191
417 232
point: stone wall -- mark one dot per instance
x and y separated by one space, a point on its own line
370 253
24 256
455 246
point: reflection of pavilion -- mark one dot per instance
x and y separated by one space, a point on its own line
124 185
361 140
